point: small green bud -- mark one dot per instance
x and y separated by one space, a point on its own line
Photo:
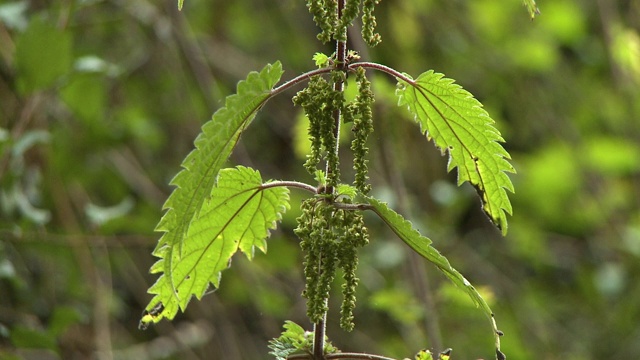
321 60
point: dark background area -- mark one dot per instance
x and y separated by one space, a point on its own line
100 100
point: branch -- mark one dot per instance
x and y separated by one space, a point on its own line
383 68
293 184
298 79
356 356
341 356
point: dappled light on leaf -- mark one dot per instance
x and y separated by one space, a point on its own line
196 181
238 215
458 125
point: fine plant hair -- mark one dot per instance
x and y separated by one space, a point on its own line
213 212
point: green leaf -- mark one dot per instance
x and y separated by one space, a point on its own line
195 182
532 8
293 340
180 3
347 191
321 60
424 355
239 214
422 246
213 147
458 124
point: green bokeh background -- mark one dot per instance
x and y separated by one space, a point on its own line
100 100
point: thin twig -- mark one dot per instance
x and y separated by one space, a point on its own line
357 356
341 356
294 184
383 68
298 79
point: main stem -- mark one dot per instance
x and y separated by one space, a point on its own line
320 327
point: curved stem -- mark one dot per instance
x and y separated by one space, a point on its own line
383 68
341 356
357 356
351 207
294 184
298 79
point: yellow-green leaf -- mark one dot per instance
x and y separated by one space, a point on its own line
238 215
422 245
195 182
457 124
532 8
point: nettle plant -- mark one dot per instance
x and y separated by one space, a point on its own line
213 212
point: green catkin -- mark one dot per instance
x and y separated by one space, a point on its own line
355 236
337 103
349 13
309 247
318 232
330 239
312 100
330 236
331 7
311 230
319 101
325 15
369 23
327 263
323 18
362 128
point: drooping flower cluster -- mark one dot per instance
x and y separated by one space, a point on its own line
330 238
332 27
362 128
320 101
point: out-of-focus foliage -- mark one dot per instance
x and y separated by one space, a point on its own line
101 100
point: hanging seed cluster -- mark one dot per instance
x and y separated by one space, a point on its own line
330 235
330 239
360 112
320 101
332 27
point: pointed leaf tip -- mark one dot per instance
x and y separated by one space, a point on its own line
459 126
238 215
194 185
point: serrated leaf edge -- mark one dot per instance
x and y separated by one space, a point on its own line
422 245
497 163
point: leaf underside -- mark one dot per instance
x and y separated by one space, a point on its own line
422 245
237 216
196 181
458 124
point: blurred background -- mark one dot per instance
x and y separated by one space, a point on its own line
100 100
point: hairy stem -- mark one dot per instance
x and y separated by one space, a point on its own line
319 331
342 356
383 68
341 56
294 184
357 356
298 79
